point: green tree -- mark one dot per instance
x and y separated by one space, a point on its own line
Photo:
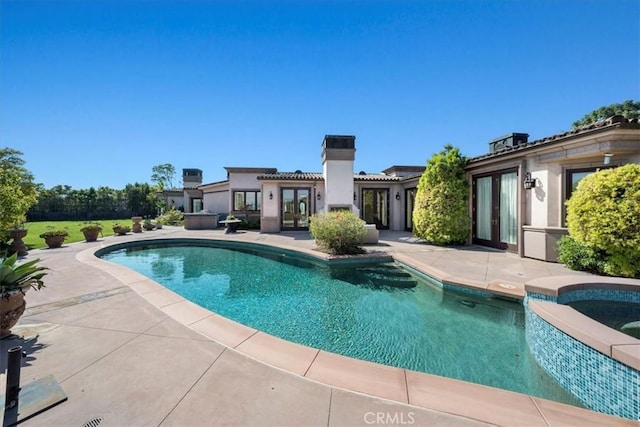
17 190
440 215
603 216
629 109
163 175
140 198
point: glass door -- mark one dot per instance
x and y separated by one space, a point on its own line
495 210
410 197
295 208
375 207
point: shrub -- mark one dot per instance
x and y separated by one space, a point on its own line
172 217
54 233
92 226
603 215
580 257
338 232
441 214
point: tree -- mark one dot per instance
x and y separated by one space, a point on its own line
17 190
140 198
163 175
440 215
629 109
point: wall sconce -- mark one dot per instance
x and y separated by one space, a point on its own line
354 196
270 195
607 158
528 181
318 196
397 195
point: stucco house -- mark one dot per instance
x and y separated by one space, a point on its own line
517 190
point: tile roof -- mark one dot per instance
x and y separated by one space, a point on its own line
609 123
297 176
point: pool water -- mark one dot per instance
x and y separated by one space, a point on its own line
351 310
623 316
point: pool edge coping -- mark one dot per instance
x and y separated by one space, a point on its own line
423 390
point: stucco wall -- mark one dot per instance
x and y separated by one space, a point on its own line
216 202
338 178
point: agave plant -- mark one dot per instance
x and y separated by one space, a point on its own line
20 277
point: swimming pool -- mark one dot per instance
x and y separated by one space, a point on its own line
344 310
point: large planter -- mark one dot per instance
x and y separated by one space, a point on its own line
11 308
137 226
17 245
91 235
54 241
121 231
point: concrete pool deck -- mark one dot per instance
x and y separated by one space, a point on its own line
129 352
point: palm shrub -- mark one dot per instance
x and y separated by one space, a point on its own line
440 214
338 232
603 217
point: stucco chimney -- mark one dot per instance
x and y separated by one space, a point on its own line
338 154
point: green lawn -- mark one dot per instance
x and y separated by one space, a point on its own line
33 240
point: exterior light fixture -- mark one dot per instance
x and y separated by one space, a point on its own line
318 196
354 196
270 195
607 158
528 181
397 195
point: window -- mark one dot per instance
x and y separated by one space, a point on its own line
246 200
573 177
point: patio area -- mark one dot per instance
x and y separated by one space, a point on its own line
128 352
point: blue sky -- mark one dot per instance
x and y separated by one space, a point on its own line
98 92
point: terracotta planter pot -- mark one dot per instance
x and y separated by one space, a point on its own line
54 241
91 235
11 308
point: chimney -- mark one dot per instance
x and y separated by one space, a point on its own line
191 178
338 154
510 140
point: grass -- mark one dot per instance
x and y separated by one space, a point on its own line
34 241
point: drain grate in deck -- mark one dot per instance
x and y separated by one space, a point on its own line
93 423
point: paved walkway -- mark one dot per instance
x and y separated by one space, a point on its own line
124 362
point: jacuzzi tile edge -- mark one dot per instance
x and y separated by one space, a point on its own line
597 380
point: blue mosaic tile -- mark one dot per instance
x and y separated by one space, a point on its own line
598 381
599 295
540 297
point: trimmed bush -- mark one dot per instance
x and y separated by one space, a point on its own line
338 232
603 215
579 257
172 217
441 213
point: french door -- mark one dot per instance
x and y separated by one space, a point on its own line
495 210
295 208
410 198
375 207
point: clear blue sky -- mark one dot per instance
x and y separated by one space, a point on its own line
98 92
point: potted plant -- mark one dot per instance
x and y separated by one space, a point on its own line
91 231
54 238
158 223
121 230
148 225
15 280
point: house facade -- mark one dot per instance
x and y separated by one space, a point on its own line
517 190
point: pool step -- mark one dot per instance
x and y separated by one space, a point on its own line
376 276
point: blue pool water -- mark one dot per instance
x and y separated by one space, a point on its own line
349 310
